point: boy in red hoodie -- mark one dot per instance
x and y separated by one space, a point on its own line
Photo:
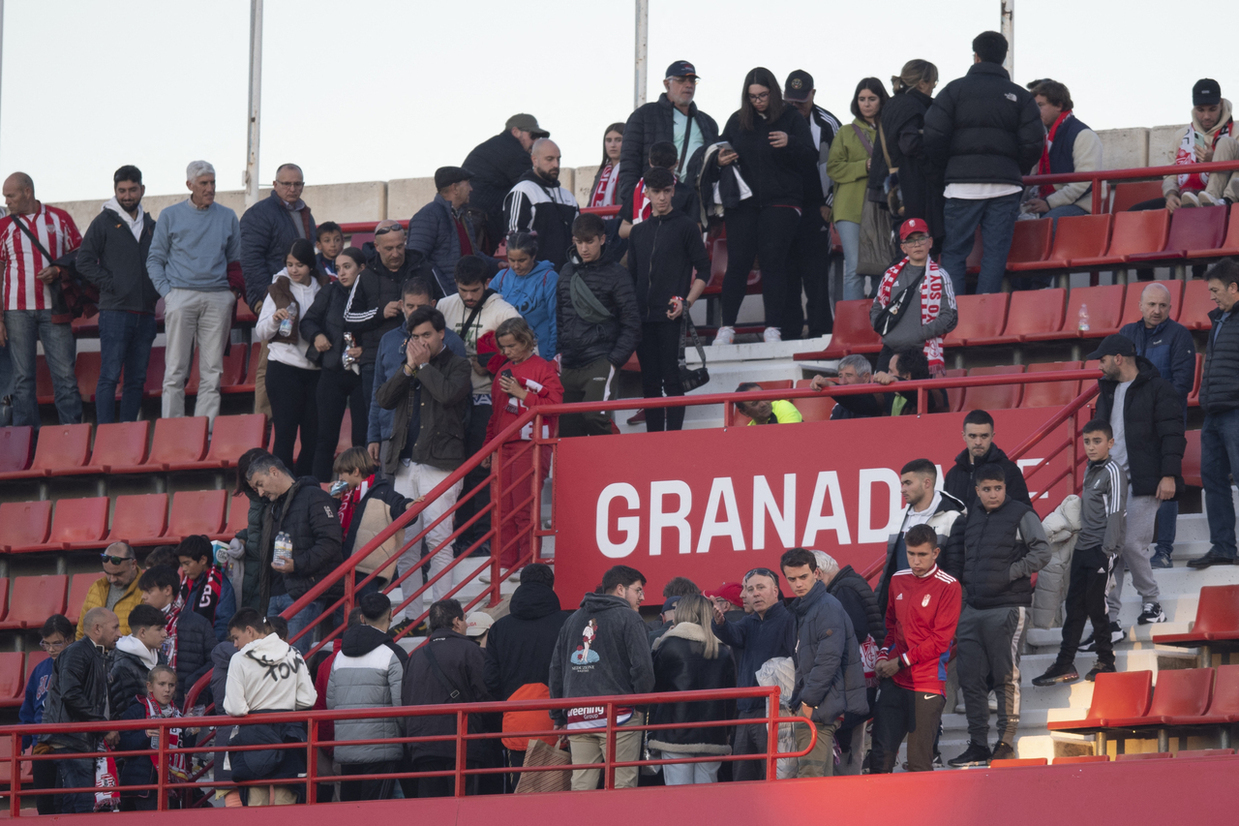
921 615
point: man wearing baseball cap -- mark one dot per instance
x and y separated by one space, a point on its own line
441 231
915 303
810 254
497 164
1209 137
1146 414
673 117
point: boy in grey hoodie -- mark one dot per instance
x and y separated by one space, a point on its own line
602 650
1103 515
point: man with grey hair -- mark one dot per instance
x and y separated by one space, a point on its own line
1169 346
268 230
195 242
853 369
539 203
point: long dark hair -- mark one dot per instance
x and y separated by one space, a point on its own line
615 127
762 77
869 84
303 251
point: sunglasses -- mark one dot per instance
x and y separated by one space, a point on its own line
762 572
385 230
115 560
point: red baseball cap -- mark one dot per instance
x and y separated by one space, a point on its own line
730 591
912 225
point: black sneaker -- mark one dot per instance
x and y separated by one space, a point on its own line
1161 559
975 755
1211 558
1117 635
1152 612
1002 752
1100 668
1057 673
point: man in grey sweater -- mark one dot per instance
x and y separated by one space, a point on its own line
919 317
194 243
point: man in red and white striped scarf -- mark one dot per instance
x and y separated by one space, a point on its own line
921 318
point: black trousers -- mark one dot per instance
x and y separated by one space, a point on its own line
367 789
901 713
659 354
1091 569
44 776
763 235
438 786
810 271
475 439
292 392
338 390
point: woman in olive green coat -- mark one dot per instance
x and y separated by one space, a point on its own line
848 167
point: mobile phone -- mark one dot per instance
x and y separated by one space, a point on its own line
507 374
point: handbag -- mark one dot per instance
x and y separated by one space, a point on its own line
893 312
894 199
78 294
877 240
540 754
692 377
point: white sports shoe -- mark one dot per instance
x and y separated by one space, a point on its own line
771 334
1189 199
725 335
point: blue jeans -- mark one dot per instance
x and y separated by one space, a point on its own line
124 342
1065 211
996 217
25 327
301 619
1219 453
6 387
849 238
73 774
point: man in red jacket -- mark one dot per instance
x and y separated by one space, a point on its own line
921 615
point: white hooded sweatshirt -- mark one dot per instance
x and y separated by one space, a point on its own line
268 674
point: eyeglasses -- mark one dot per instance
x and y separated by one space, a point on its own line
115 560
760 96
385 230
291 184
52 646
690 80
916 242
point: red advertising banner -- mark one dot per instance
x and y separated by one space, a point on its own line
713 504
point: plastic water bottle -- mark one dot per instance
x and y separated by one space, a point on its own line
1083 324
286 326
283 546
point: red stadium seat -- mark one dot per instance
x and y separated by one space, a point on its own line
246 385
1081 236
1225 705
89 364
177 442
35 598
140 519
1051 393
1082 758
61 448
972 264
955 395
78 587
1134 233
1030 244
1128 194
4 596
1193 396
79 523
1197 304
238 518
1131 304
12 689
1181 696
233 373
718 268
993 397
1144 755
980 317
777 384
1197 753
1015 762
1191 460
815 408
1121 694
852 334
1031 312
1230 246
121 444
346 432
1217 618
43 391
16 449
1190 229
1105 310
196 512
6 765
154 374
26 524
232 436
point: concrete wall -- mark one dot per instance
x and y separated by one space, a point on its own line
401 198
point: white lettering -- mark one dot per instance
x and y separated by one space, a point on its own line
722 494
827 483
660 519
629 526
866 532
1024 464
764 504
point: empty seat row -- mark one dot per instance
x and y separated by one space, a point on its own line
15 668
178 444
143 519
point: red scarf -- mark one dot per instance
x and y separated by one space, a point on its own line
350 501
212 584
1046 190
1185 155
173 614
604 190
177 767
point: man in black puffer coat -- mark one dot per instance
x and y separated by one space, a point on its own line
307 513
497 163
1219 398
987 132
520 646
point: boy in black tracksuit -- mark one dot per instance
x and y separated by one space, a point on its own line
664 252
1103 515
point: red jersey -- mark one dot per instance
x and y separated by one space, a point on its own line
921 613
541 379
22 260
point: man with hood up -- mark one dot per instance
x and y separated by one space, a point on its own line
603 650
521 645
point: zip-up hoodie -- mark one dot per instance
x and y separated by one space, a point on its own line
922 619
664 254
113 258
1103 507
534 297
602 650
268 675
290 353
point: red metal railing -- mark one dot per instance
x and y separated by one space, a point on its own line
461 740
1135 174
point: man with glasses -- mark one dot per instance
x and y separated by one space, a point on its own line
768 632
57 633
268 230
673 117
915 303
117 589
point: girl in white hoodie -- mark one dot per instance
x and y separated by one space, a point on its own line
292 378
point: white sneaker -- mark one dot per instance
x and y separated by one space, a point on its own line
725 335
1189 199
1207 200
771 334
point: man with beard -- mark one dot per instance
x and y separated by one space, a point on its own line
980 451
538 203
